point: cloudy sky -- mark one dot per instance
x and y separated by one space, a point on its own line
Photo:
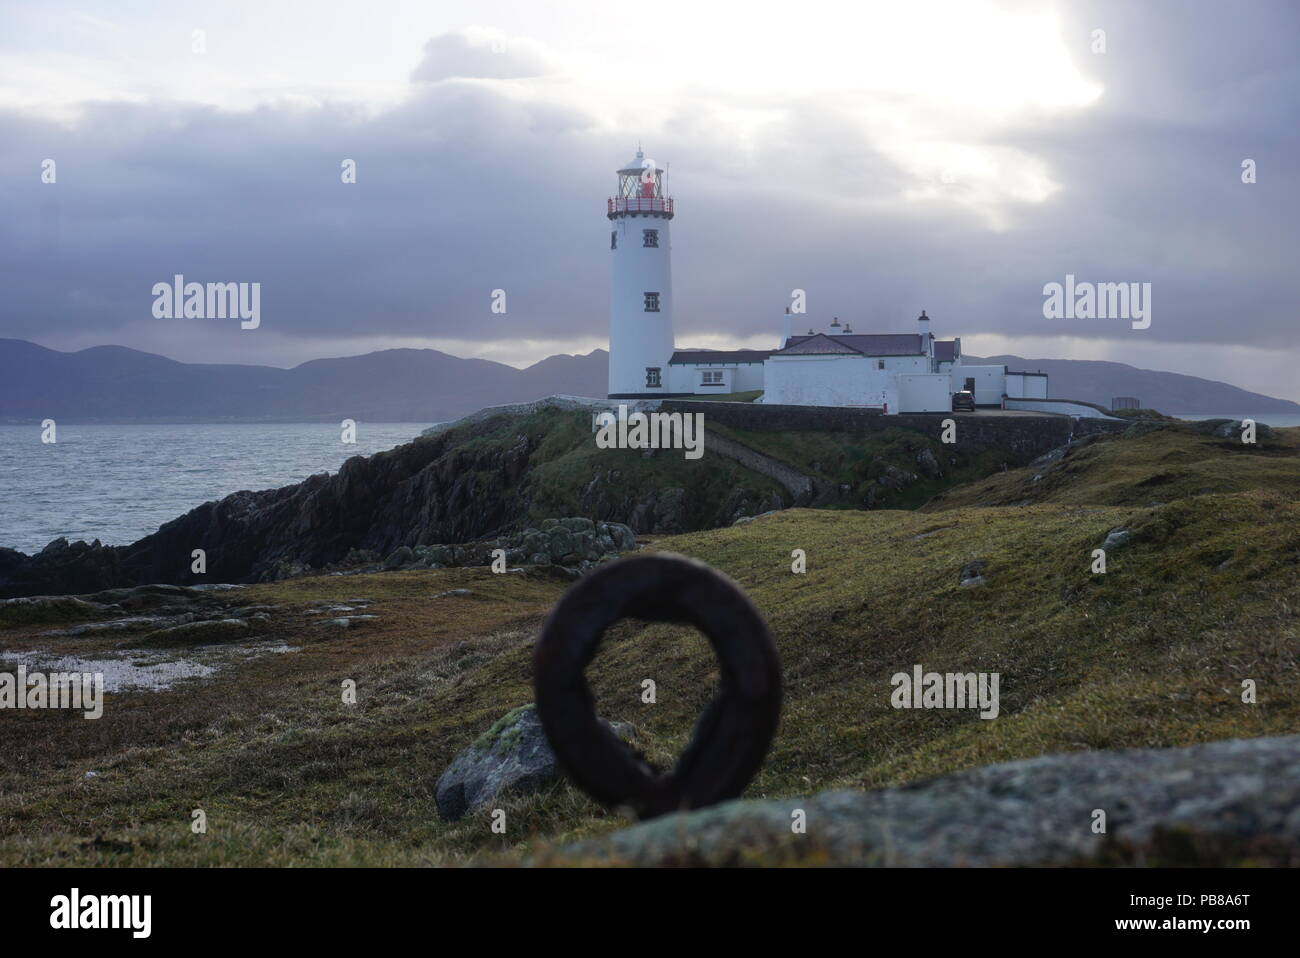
884 157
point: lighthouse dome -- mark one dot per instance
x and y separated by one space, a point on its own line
637 165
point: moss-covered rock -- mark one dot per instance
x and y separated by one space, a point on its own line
1184 806
47 608
570 541
513 755
207 632
400 557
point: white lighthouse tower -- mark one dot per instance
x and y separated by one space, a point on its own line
641 304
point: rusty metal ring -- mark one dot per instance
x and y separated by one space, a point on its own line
733 732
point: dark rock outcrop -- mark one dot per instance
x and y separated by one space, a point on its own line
61 568
440 489
427 490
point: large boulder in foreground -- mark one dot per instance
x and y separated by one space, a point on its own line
513 755
1230 802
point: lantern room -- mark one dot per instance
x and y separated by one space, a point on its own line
641 189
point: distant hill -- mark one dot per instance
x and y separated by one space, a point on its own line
1173 393
116 384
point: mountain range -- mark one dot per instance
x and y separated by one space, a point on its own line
1174 393
117 384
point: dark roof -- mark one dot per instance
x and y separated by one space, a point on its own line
819 345
945 350
1016 372
691 356
868 344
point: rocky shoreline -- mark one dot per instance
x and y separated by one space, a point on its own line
492 474
455 487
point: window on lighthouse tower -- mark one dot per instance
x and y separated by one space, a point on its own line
650 238
652 302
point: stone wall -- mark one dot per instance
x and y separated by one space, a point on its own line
803 488
1029 434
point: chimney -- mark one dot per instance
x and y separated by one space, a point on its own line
923 323
836 328
847 329
786 330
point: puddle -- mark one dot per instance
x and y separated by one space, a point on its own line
151 670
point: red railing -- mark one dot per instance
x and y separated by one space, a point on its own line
640 204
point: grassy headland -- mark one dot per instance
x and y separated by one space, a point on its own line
1205 594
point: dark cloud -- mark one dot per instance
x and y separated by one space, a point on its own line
470 186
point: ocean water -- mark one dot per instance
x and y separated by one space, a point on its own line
117 483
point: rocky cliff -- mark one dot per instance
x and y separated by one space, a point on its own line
463 484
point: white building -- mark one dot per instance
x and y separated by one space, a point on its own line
894 372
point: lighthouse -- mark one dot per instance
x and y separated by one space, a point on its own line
641 300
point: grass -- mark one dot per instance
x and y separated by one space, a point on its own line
567 475
1141 414
1166 463
1152 653
853 461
